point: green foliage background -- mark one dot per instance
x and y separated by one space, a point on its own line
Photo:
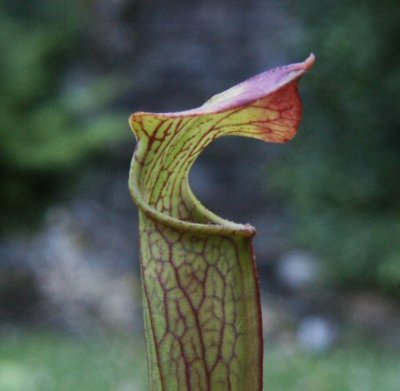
48 129
342 174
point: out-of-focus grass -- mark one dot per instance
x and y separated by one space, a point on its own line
347 368
57 362
37 361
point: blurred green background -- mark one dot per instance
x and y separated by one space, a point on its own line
326 206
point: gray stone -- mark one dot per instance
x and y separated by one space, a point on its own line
297 270
316 334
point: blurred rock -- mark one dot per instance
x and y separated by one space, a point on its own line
278 320
79 272
297 271
374 314
81 275
316 334
19 294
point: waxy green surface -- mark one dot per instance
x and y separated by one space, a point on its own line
200 285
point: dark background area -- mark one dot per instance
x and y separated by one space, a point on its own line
326 206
